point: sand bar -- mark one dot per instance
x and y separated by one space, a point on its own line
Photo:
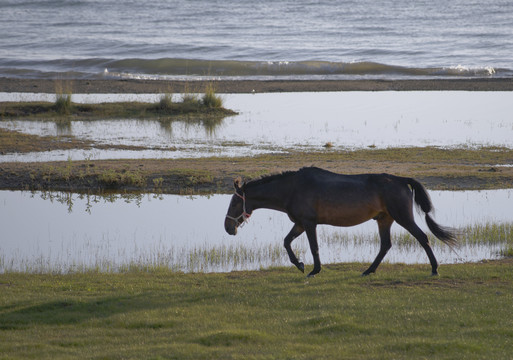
107 86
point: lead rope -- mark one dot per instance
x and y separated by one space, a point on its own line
245 215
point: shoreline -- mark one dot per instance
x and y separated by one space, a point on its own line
103 86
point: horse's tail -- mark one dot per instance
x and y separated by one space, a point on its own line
423 201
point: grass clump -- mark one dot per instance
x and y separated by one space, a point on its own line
210 99
166 102
190 103
63 104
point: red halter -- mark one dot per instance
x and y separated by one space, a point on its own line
245 215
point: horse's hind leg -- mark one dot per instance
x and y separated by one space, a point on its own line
311 232
406 220
294 233
424 241
384 224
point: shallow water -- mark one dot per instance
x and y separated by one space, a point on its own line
70 232
291 121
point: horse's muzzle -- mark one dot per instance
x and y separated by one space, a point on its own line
229 226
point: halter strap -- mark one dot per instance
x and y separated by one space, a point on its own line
245 215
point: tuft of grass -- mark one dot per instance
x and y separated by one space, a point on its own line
507 252
210 99
63 104
166 102
190 103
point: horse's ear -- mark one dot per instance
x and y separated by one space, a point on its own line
238 183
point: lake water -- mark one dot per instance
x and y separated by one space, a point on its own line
235 39
287 122
44 232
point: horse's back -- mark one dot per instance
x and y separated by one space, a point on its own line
319 181
337 199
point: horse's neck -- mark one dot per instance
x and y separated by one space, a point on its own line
272 195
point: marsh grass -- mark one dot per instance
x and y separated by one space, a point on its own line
507 252
489 233
166 102
63 104
192 104
211 99
495 238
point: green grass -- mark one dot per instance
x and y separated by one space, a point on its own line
113 179
398 313
166 102
63 104
210 99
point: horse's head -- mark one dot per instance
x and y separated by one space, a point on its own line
237 213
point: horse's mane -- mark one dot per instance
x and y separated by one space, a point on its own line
269 178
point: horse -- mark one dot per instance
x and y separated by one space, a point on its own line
312 196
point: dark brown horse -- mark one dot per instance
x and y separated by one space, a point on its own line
312 196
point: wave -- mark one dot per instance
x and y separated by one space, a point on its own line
169 68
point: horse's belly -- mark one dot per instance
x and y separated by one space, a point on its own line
343 221
346 216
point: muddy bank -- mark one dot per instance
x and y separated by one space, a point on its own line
250 86
436 168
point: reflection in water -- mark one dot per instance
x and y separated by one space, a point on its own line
60 232
209 124
182 137
89 200
63 127
307 121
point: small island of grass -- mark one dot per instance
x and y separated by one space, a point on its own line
210 104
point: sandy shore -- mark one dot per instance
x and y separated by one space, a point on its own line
250 86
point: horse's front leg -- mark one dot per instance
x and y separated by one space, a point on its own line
311 232
294 233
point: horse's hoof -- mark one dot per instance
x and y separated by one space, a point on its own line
301 267
367 272
313 273
435 273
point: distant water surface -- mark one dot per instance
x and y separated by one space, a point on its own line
268 39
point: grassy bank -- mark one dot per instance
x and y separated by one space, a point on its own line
453 169
398 313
